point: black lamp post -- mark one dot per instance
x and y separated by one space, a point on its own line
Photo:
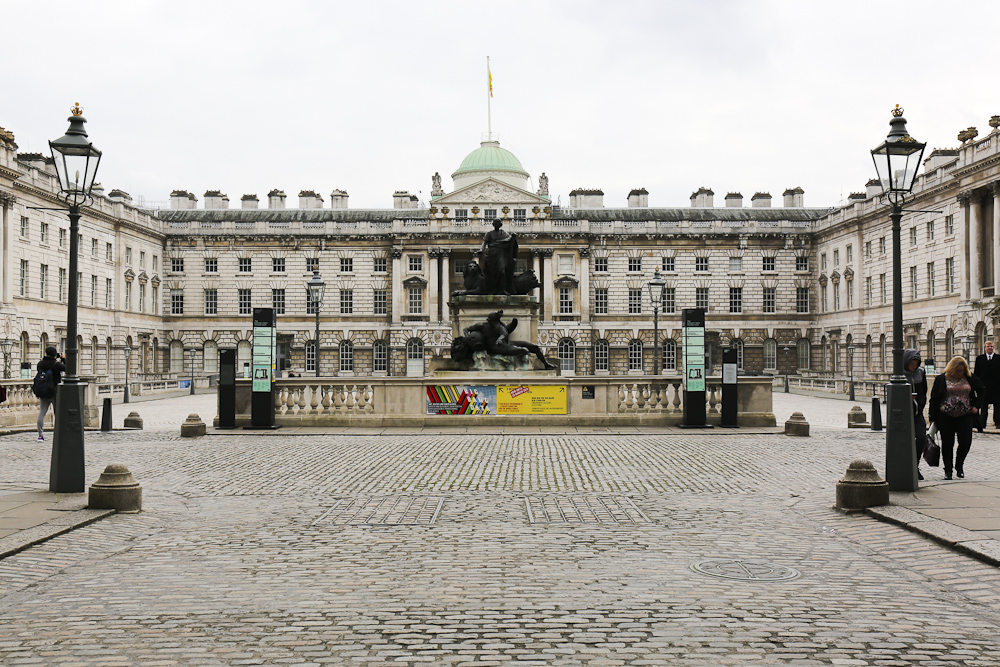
76 161
128 356
7 345
656 288
315 288
896 161
850 370
192 350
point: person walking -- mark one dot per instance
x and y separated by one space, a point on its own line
954 407
917 378
48 377
988 372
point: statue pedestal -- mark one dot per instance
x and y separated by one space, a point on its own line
469 309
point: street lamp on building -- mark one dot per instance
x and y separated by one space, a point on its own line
128 356
850 370
968 347
896 161
7 345
656 288
192 350
76 161
315 289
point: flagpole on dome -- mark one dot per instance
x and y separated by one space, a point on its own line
489 111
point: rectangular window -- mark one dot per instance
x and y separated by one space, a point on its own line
380 302
156 259
211 302
62 284
520 214
601 301
109 293
23 288
93 247
701 298
142 259
769 263
930 230
670 300
128 254
949 224
735 299
312 264
634 301
177 264
949 271
245 265
278 301
836 257
211 265
346 264
346 302
822 299
735 264
415 300
128 294
490 214
635 264
668 264
415 263
868 249
156 299
565 263
600 264
43 280
881 245
836 296
802 262
142 298
380 265
93 290
601 356
801 299
461 215
277 265
822 262
176 302
850 293
381 358
669 356
44 232
565 300
930 279
312 305
770 299
913 282
913 236
850 254
245 299
701 263
24 226
311 356
881 288
346 357
62 238
868 291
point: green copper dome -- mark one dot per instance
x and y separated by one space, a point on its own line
490 157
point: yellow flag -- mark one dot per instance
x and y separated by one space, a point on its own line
490 75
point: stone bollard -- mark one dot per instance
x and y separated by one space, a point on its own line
192 427
856 418
133 420
797 425
117 490
861 487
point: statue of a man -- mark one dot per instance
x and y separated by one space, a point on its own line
543 184
493 337
436 181
500 251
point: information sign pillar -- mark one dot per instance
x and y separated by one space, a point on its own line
227 388
693 339
263 358
730 366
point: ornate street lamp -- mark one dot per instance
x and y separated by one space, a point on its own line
128 356
76 161
850 369
315 289
657 286
785 350
7 345
967 341
192 350
896 161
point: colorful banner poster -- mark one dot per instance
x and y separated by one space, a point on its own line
452 399
531 400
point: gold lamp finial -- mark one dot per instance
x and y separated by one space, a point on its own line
77 111
897 112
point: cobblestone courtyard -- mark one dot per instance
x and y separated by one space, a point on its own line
489 549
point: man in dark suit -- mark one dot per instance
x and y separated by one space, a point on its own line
988 372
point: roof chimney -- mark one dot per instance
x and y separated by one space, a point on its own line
794 197
638 198
734 200
276 199
215 199
338 199
761 200
249 201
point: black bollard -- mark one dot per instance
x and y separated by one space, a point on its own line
876 414
106 417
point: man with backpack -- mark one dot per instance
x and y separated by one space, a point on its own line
48 377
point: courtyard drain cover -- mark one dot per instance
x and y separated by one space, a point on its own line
750 569
383 511
584 510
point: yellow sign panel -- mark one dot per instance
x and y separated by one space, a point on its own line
531 400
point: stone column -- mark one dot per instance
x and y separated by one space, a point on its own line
995 194
548 289
445 284
398 298
434 287
7 205
962 226
585 284
975 250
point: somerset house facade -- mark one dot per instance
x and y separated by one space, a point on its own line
795 289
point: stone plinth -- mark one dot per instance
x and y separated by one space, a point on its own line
797 425
193 427
856 418
133 420
861 487
470 309
117 490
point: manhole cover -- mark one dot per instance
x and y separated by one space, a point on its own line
382 511
750 569
584 509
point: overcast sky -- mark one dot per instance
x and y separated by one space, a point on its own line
372 97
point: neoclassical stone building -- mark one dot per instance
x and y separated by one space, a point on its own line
791 287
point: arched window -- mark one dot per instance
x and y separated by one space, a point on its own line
244 351
601 355
414 357
25 351
210 353
770 354
669 355
176 357
949 347
311 356
567 355
346 356
979 336
802 354
635 356
380 357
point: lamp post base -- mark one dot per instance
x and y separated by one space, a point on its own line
900 453
67 473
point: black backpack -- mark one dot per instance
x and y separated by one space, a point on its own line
44 385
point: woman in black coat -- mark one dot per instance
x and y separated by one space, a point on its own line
954 407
